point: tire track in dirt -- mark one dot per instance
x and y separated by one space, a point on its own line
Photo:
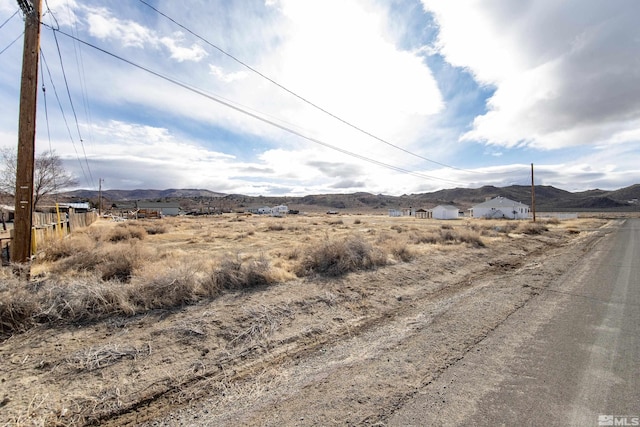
448 304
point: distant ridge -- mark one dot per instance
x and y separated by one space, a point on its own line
144 194
548 198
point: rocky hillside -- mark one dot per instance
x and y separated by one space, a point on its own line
547 199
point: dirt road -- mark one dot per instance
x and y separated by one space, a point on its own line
450 356
568 357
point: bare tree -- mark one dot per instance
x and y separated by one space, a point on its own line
49 177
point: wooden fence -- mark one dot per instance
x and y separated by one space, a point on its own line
47 226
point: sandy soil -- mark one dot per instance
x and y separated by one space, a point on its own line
303 352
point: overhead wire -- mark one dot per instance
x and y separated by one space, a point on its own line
245 111
66 83
64 117
82 75
9 19
303 99
14 40
11 44
46 115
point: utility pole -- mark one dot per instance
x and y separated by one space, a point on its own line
100 180
533 195
23 221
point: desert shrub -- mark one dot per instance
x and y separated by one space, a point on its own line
119 261
357 221
448 235
532 228
401 251
446 227
507 227
233 274
110 261
228 275
78 262
337 257
293 253
275 227
398 228
383 238
471 238
429 238
172 286
335 222
56 249
83 299
17 305
152 229
126 232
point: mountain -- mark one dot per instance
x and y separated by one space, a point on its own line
548 198
122 195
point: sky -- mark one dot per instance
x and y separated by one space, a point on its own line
298 97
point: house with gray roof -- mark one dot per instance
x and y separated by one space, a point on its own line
500 207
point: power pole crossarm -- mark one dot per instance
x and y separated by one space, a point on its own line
27 131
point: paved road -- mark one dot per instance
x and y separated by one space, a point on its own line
569 357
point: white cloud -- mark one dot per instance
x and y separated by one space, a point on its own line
361 76
558 82
132 34
193 53
104 26
219 73
561 69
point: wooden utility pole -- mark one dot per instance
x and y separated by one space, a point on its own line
23 220
100 197
533 195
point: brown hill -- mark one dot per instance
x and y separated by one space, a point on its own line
548 198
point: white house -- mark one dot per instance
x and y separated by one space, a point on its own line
279 210
445 212
500 207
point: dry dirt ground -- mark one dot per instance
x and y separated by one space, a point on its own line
305 351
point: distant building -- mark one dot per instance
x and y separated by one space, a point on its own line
160 208
445 212
500 207
77 207
423 213
279 210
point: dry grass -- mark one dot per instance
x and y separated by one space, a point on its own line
92 359
532 228
340 256
129 268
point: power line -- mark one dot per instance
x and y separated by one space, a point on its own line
11 44
81 74
251 114
64 117
66 83
46 115
359 129
9 19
